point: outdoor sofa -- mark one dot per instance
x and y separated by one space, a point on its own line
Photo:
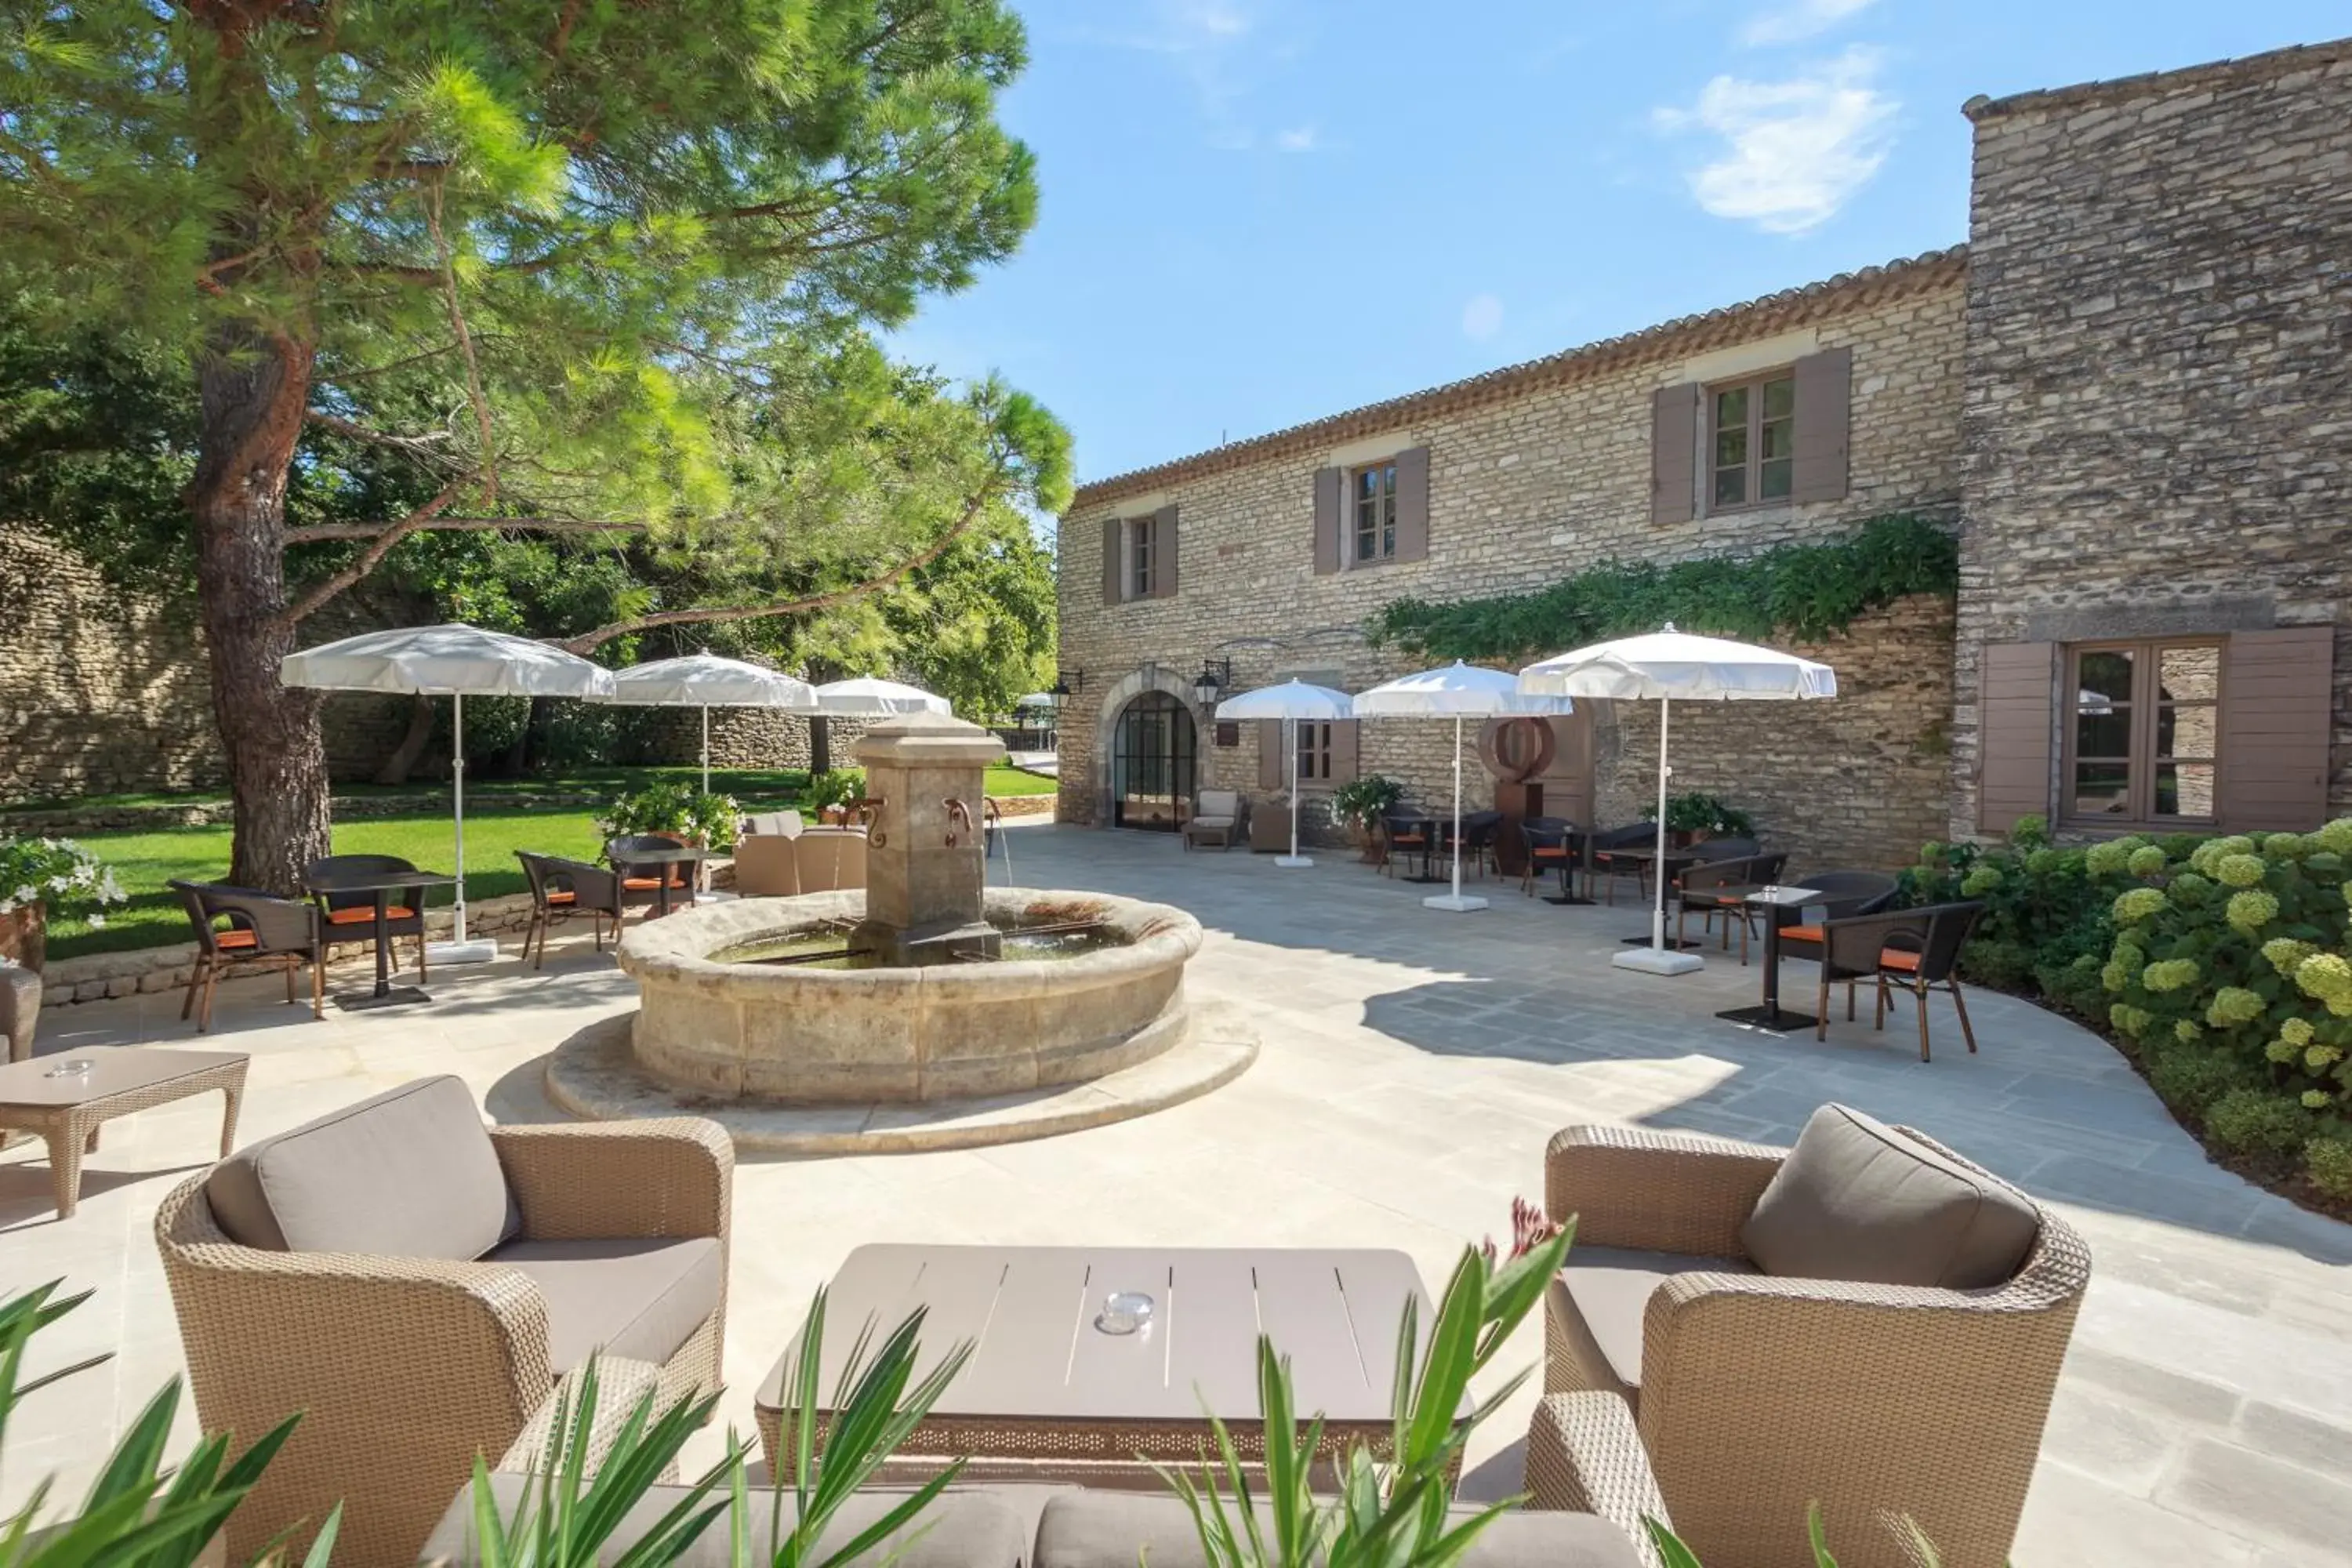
1583 1445
1867 1320
808 860
414 1283
20 1008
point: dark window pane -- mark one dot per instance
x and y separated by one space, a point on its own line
2184 789
1772 479
1367 483
2102 789
1730 485
1388 538
1780 398
1731 445
1731 408
2104 674
1778 439
1388 481
2103 732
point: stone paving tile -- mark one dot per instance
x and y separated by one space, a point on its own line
1413 1066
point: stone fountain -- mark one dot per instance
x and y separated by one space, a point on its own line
1004 1012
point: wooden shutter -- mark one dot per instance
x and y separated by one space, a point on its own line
1327 520
1163 552
2277 707
1273 767
1824 419
1412 504
1343 752
2014 681
1114 556
1674 449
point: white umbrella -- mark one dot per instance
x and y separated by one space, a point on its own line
1663 666
1293 703
705 680
454 661
866 698
1457 691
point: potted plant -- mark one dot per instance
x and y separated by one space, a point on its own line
40 877
832 794
1359 805
1694 816
674 811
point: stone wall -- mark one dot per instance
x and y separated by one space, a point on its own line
1529 483
2158 406
740 737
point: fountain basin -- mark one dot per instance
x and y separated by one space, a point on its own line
808 1035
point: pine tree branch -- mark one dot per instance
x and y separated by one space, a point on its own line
425 449
320 594
464 344
320 532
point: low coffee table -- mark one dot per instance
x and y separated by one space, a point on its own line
66 1107
1048 1395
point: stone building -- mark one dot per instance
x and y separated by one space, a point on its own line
2127 394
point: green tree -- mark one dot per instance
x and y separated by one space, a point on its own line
565 269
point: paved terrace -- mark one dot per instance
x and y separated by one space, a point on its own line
1414 1064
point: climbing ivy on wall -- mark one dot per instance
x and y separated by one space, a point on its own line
1803 591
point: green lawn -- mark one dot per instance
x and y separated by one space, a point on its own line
144 862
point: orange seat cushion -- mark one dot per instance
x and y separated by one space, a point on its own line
367 916
231 939
1554 853
647 884
563 898
1899 958
1800 933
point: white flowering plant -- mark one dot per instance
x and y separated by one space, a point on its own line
59 874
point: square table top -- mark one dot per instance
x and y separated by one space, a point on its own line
357 882
1031 1310
113 1069
1769 893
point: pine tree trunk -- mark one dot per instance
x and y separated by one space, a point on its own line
253 389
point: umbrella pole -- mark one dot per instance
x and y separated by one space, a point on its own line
1658 867
706 748
457 782
1455 900
1290 741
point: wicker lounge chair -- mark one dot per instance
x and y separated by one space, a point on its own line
1918 948
414 1331
561 888
1222 818
1785 1328
236 928
348 918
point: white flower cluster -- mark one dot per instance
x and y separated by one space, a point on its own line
58 873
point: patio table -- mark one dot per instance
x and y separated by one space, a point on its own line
1778 904
1579 858
65 1098
382 884
692 855
1431 827
1050 1393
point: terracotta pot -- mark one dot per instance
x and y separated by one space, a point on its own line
24 935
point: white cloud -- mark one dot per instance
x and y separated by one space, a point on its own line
1795 151
1298 139
1804 20
1482 317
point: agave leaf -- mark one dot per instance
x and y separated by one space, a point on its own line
1817 1536
138 1454
322 1545
1672 1552
896 1516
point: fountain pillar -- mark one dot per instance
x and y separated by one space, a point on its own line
926 858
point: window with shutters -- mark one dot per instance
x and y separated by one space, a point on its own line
1314 755
2143 734
1372 512
1752 442
1142 558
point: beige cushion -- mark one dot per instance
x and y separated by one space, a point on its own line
829 858
408 1174
1857 1200
1118 1529
767 866
1218 805
636 1297
975 1527
1596 1307
773 824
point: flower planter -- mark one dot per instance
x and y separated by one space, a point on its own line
24 935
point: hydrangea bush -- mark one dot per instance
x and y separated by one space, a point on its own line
59 874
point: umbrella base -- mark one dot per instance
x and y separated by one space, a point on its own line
481 950
1770 1020
1293 862
1460 903
1674 944
1648 959
362 1001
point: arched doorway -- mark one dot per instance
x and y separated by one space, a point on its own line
1153 756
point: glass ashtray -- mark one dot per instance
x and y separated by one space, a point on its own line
73 1069
1124 1312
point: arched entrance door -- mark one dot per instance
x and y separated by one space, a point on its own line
1151 762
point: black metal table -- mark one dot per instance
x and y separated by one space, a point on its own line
1777 903
1579 858
1429 829
1677 862
682 854
382 884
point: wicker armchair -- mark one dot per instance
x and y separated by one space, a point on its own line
1755 1392
1841 893
1602 863
641 880
561 889
1918 948
348 918
1222 818
238 928
1546 843
404 1366
1701 887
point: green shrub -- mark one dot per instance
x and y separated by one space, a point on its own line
2329 1159
837 786
2257 1121
2191 1077
672 808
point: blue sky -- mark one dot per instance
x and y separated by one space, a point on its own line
1257 211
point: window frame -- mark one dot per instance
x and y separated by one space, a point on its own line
1312 738
1143 573
1752 468
2141 763
1350 502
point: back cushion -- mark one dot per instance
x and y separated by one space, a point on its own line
1857 1200
410 1173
